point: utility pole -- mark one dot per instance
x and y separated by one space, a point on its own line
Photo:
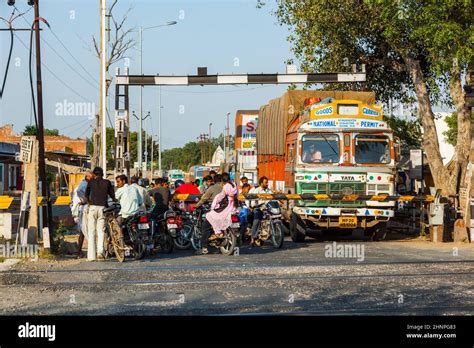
210 142
140 115
103 85
151 162
227 140
39 94
160 173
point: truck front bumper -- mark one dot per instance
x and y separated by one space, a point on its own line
329 217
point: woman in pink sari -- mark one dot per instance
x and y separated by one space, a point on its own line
220 216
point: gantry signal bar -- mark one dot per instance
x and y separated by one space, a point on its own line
123 81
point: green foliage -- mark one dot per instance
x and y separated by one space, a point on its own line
451 135
409 132
31 130
190 154
330 35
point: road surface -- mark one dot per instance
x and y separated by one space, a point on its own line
389 278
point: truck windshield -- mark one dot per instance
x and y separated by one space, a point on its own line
320 148
372 149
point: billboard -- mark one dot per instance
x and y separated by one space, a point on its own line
249 132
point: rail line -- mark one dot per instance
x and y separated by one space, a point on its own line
140 266
240 279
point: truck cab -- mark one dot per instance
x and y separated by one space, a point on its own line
340 148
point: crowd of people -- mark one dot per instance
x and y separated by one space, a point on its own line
95 193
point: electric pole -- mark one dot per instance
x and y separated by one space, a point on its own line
39 94
103 85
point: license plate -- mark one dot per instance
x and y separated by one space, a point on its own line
235 225
172 226
143 226
347 221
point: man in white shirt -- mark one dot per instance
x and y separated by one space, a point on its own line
147 202
257 213
79 209
129 198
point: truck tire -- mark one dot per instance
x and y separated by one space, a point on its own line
379 232
297 228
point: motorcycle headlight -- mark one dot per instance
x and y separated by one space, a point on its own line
275 211
273 207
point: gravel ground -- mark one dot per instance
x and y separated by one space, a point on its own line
395 277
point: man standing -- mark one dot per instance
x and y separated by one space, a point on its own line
146 199
97 193
79 209
257 213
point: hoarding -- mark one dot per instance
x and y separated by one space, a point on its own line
249 132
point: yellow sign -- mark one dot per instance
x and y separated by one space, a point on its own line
5 202
346 109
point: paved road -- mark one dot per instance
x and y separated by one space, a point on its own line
393 277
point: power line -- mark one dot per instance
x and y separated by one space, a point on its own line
67 50
75 124
94 85
52 73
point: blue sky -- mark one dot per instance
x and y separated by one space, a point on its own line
211 33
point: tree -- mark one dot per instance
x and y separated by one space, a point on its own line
451 134
31 130
120 41
414 50
409 132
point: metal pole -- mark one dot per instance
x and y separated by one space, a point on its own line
228 138
39 93
152 150
103 83
159 136
140 116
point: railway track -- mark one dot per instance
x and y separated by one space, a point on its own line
160 267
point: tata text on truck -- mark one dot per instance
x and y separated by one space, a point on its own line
338 147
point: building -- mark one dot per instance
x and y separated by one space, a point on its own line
52 143
11 178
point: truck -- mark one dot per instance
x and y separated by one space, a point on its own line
329 143
175 174
245 144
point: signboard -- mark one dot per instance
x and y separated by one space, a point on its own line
26 149
416 164
346 123
249 132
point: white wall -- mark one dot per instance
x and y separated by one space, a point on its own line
447 150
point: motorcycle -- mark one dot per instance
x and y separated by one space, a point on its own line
271 225
183 230
163 229
226 244
129 239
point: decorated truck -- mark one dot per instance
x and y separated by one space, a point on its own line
336 146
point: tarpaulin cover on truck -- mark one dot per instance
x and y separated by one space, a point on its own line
274 118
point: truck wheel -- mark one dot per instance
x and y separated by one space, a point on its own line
297 228
379 232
